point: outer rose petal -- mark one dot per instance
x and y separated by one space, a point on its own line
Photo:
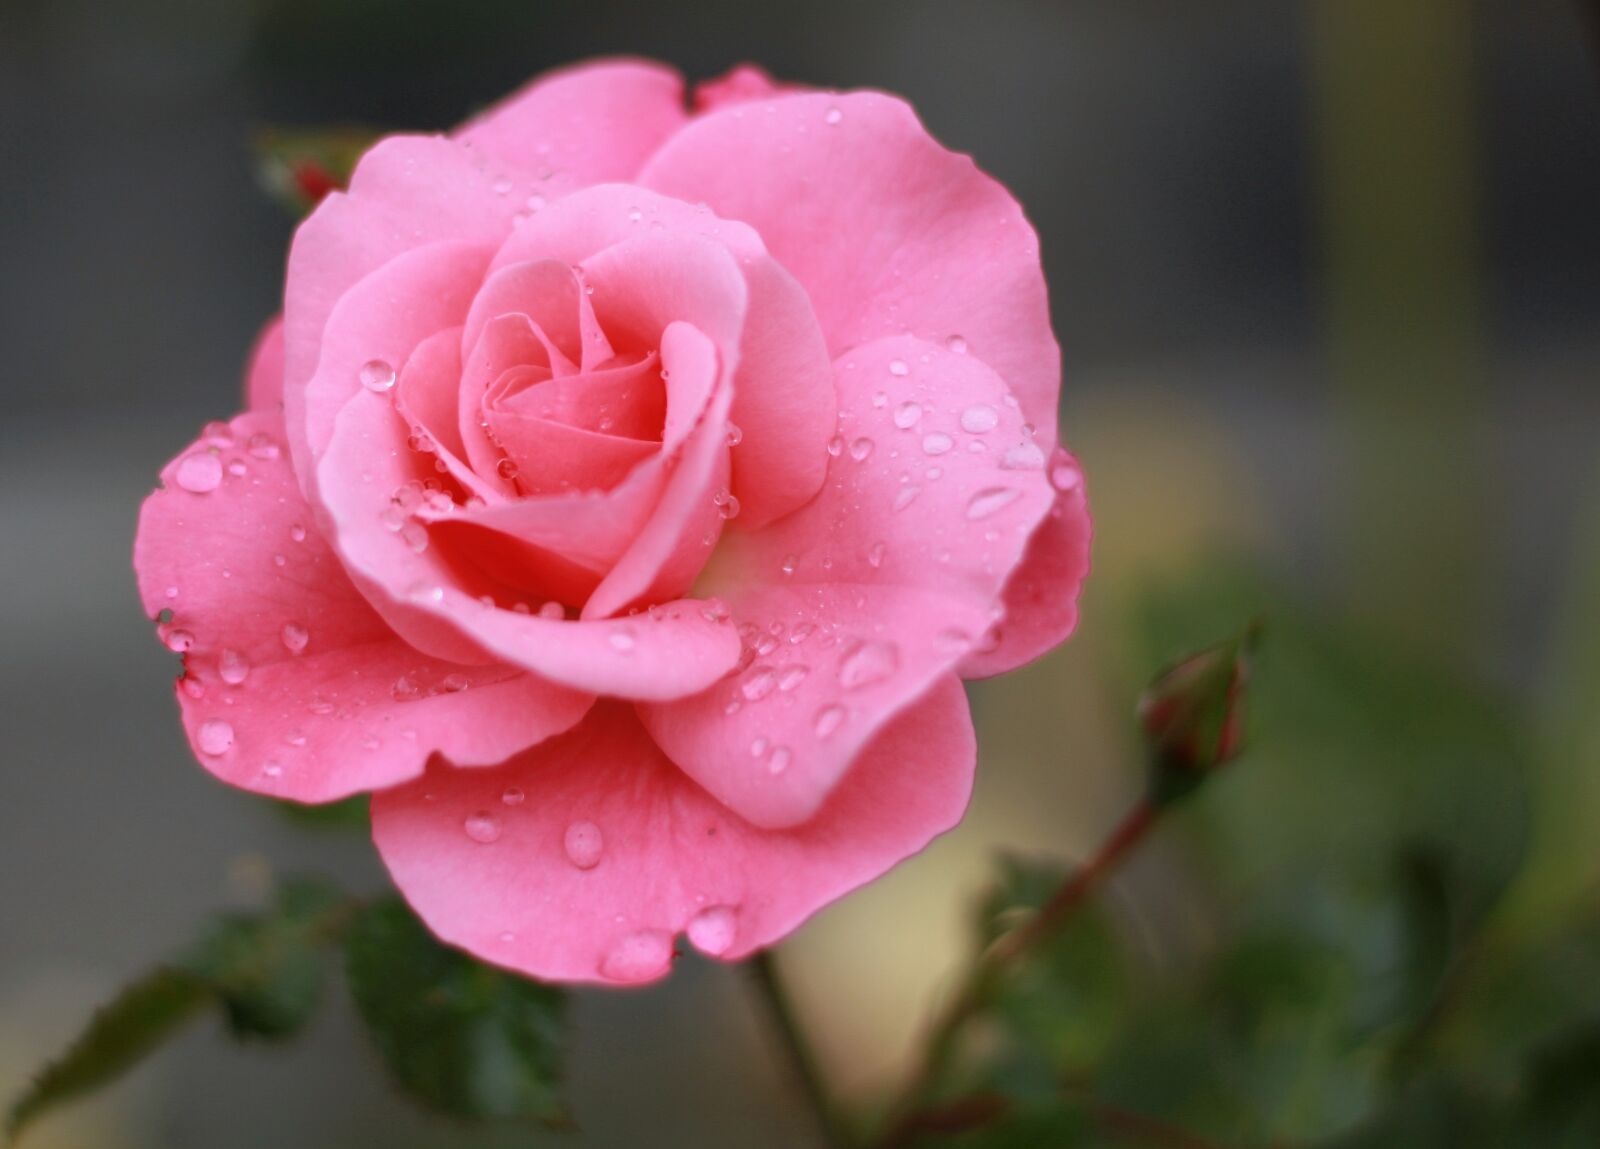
1041 597
263 388
407 192
742 83
614 852
582 125
293 686
887 231
852 605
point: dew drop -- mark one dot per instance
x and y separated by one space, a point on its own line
907 414
875 554
898 367
297 533
377 376
237 469
832 116
233 667
865 663
506 468
828 719
936 443
622 641
199 473
792 676
758 746
762 681
906 497
583 845
712 930
271 769
956 345
482 827
779 762
179 641
735 435
553 610
513 796
979 419
991 500
836 446
1023 457
415 535
295 637
214 737
860 449
640 956
1065 476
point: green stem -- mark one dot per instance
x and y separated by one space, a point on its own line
1129 833
802 1060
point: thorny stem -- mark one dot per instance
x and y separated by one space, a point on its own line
1129 833
802 1060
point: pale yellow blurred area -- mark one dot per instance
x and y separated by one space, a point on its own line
1055 746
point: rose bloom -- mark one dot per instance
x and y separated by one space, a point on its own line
621 500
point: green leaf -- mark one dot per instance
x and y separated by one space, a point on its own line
137 1020
300 166
267 968
459 1036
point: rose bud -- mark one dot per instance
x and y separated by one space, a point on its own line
1192 715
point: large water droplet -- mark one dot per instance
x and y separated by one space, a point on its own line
979 419
179 641
779 762
907 414
199 473
214 737
295 637
791 677
712 930
1065 476
1023 457
583 845
482 827
991 500
860 449
377 376
865 663
233 667
936 443
640 956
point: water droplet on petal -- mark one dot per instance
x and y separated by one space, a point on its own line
513 796
860 449
295 637
1065 476
214 737
1023 457
875 555
865 663
906 497
622 641
199 473
506 468
553 610
828 719
898 367
991 500
482 827
233 667
640 956
836 446
583 845
761 682
832 116
712 930
936 443
377 376
790 562
179 641
979 419
735 435
415 535
907 414
956 344
297 533
779 762
792 676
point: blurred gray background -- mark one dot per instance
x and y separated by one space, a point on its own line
1315 267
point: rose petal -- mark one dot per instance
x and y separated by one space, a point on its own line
263 389
614 852
1041 597
293 687
886 230
853 604
581 125
407 192
783 399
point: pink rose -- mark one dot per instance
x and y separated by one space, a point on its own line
621 500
